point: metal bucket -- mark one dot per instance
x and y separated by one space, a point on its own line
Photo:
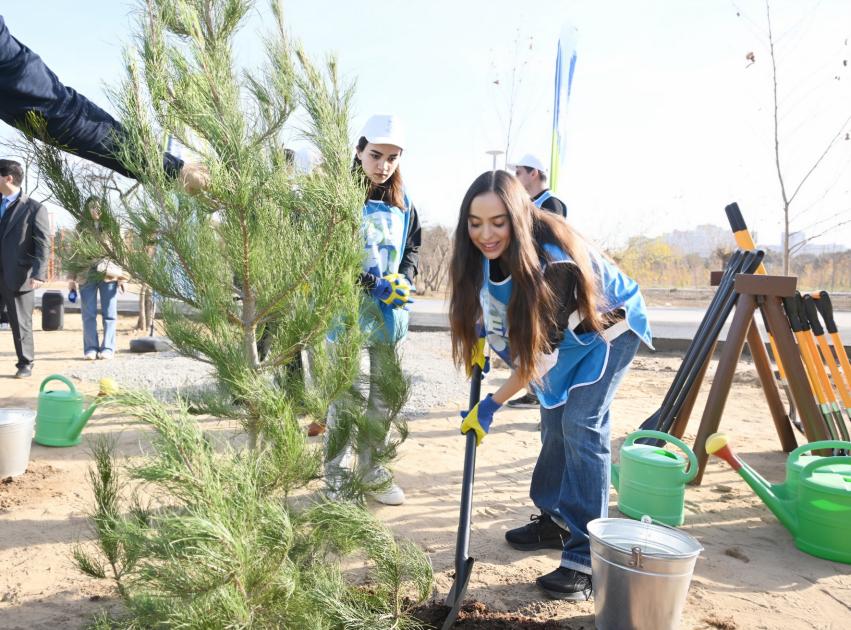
16 433
641 573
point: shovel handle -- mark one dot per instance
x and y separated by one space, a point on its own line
462 542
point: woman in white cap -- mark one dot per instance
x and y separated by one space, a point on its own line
392 240
569 323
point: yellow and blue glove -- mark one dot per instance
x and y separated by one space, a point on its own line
393 289
479 418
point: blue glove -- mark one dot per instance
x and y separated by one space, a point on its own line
393 289
479 418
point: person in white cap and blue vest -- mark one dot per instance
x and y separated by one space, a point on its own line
392 238
532 174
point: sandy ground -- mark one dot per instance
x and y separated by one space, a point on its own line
749 576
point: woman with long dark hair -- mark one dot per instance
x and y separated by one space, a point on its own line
391 240
568 323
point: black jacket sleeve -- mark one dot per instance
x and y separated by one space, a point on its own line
411 253
74 123
556 206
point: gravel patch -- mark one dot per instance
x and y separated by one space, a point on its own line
164 374
426 358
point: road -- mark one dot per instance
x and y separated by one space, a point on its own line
673 327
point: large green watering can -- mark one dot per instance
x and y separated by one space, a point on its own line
815 507
651 480
60 418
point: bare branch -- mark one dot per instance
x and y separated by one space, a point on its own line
808 239
820 158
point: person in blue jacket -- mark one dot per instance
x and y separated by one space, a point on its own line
73 122
569 323
392 238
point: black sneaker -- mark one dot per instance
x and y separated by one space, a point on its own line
541 533
526 401
566 584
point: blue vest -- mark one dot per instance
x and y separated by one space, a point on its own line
580 359
385 230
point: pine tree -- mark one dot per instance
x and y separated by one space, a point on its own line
256 269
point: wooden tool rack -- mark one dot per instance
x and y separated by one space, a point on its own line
763 292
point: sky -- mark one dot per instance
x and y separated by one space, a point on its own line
668 120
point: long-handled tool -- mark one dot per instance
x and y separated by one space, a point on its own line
689 361
750 262
705 340
825 308
793 313
839 380
745 241
463 561
816 334
819 371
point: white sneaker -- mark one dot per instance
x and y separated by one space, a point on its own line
394 495
5 326
90 356
106 355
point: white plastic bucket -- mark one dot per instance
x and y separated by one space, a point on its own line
641 572
16 433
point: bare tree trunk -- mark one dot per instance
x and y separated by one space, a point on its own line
249 345
142 321
777 144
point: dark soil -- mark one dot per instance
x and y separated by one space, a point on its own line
477 615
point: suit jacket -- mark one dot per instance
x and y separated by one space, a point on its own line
24 244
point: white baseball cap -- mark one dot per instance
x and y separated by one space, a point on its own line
384 129
530 161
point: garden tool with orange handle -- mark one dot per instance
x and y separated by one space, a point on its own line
825 308
793 313
820 372
835 373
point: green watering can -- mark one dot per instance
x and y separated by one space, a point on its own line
651 480
60 418
815 507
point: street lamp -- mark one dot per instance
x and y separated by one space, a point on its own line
494 153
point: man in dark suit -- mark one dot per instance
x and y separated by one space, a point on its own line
24 252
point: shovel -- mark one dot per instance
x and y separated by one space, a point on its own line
463 561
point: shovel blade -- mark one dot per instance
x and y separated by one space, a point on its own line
455 598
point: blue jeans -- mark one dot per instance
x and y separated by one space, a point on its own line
109 311
571 477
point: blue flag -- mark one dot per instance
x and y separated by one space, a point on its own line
565 66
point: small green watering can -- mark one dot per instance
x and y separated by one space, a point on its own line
816 508
651 480
60 418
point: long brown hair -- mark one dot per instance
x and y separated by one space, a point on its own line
392 191
531 309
